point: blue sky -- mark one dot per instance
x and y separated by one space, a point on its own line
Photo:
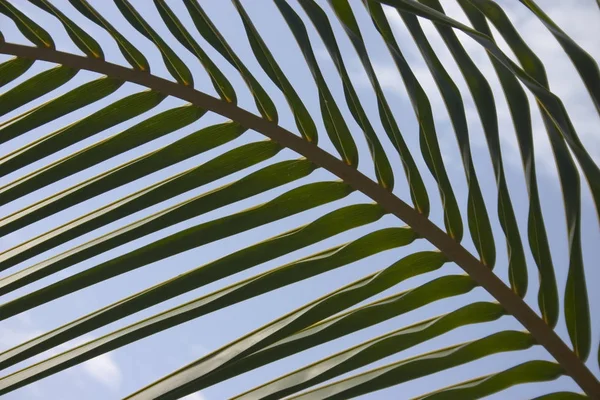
122 371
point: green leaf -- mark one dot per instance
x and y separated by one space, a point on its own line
304 122
478 220
297 200
532 371
196 143
34 87
486 108
173 63
119 111
334 122
75 99
362 317
583 62
551 105
144 132
520 113
131 54
12 69
427 134
301 318
562 396
559 126
340 325
383 170
210 33
228 163
82 40
369 315
400 371
32 31
219 81
576 302
327 226
371 351
255 183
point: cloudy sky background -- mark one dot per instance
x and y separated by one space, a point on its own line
123 371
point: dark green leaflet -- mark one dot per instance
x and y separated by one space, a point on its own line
479 223
562 396
228 163
82 40
75 99
532 371
182 149
369 315
318 323
551 105
178 383
408 369
144 132
292 202
34 88
559 127
583 62
324 227
428 138
576 302
131 54
219 81
520 112
417 188
304 121
119 111
338 326
383 170
13 68
374 350
211 34
32 31
486 108
173 63
334 122
267 178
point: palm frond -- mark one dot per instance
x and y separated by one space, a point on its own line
307 181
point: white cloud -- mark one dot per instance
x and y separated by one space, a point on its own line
104 369
389 77
194 396
10 337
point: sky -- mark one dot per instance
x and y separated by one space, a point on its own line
123 371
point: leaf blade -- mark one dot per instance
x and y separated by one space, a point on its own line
419 366
129 51
304 122
80 37
75 99
13 68
290 203
322 228
120 111
174 64
334 122
383 171
35 87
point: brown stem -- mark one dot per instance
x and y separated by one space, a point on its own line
512 303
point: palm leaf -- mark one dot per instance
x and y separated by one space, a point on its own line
220 184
